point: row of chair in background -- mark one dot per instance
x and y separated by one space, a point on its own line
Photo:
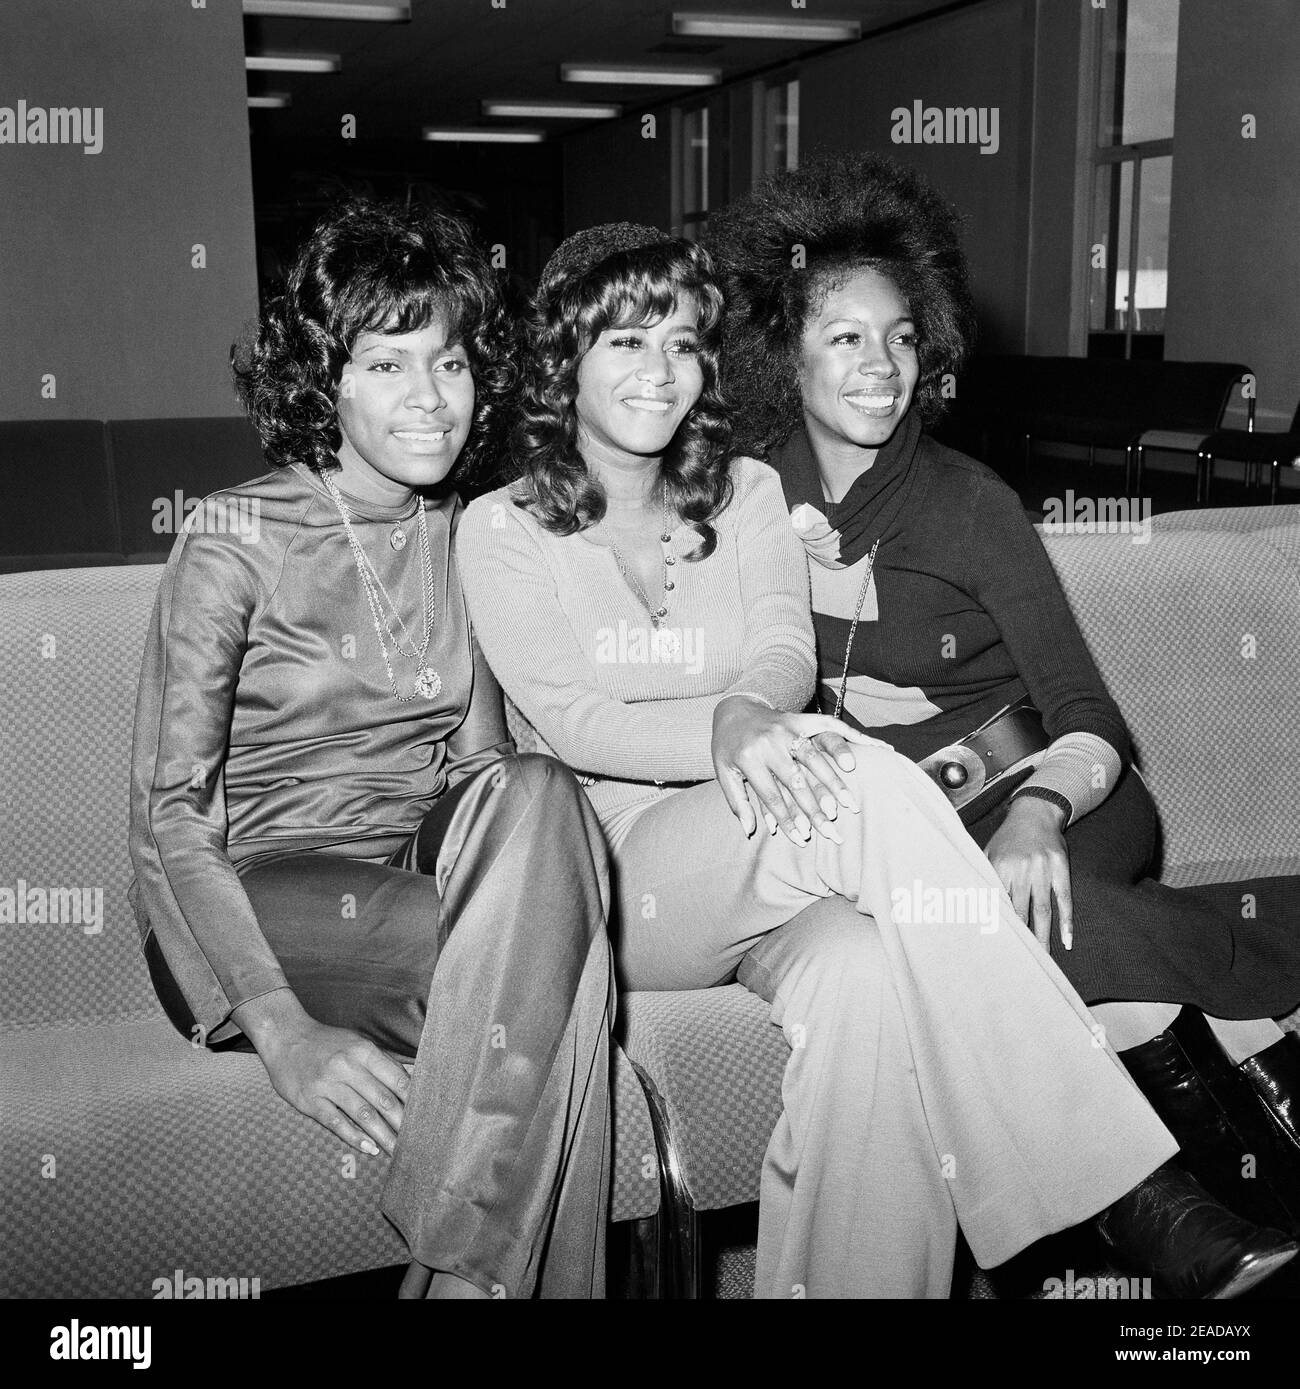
1128 406
83 492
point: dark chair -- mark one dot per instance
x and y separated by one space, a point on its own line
164 468
59 510
1252 447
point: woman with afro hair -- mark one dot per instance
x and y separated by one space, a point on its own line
640 594
340 862
937 612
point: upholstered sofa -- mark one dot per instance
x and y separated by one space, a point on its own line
128 1154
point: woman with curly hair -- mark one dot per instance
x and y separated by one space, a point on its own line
938 613
641 596
339 859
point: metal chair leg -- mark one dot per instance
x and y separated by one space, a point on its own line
1204 470
644 1272
679 1255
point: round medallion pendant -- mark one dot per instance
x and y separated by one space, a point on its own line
428 683
398 538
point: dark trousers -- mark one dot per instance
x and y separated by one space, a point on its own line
1138 940
482 952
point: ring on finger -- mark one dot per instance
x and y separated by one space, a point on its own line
800 746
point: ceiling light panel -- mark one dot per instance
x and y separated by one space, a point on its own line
630 75
553 110
727 26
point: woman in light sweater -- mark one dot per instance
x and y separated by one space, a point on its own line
339 861
644 602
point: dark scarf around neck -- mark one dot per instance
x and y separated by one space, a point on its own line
838 534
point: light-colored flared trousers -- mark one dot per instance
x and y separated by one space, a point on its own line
942 1070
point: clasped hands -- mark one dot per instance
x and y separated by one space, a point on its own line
792 764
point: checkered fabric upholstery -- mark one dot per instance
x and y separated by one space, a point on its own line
717 1060
127 1153
1197 634
70 641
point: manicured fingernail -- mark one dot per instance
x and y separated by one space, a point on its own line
829 809
771 821
1068 938
845 761
832 833
848 802
368 1147
803 826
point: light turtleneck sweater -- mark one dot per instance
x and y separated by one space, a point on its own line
575 651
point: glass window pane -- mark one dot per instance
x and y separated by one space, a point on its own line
1153 244
695 161
1138 69
781 127
1108 285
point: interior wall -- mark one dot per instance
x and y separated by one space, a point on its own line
97 286
1234 272
982 56
614 173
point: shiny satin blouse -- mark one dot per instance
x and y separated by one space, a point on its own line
266 721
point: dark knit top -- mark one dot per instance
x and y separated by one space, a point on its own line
964 614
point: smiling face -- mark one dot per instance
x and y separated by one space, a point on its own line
405 406
858 365
637 385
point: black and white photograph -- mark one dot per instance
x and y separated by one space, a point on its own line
649 652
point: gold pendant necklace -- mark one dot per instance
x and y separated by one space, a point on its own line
657 614
853 627
428 683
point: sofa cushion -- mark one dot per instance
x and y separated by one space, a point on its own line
128 1154
70 647
1197 634
716 1059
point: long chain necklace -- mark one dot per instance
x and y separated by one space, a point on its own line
657 614
428 683
853 627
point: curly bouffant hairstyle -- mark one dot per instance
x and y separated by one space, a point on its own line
634 287
371 266
797 236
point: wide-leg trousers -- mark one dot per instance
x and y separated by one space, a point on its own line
482 952
1136 939
942 1070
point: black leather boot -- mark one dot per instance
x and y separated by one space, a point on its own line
1258 1106
1274 1075
1172 1230
1212 1143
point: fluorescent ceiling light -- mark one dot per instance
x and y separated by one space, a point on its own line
323 9
623 75
471 135
553 110
726 26
272 101
293 62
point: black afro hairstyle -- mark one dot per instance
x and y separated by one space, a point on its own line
782 247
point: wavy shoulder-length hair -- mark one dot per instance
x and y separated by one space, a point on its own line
377 267
795 238
633 288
